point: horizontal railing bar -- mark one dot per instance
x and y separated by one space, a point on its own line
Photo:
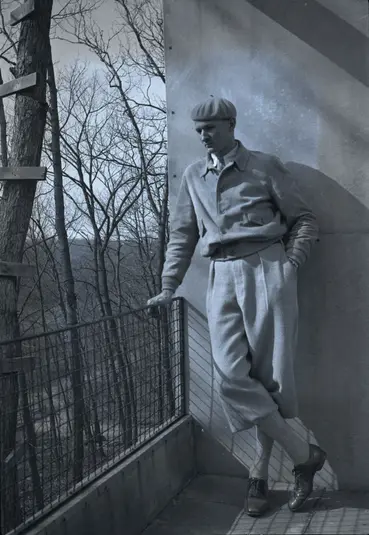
80 325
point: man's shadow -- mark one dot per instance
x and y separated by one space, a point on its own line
332 365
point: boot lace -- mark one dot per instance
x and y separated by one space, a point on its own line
300 477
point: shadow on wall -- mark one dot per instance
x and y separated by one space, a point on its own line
331 368
337 210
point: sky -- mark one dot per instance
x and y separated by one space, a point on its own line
65 53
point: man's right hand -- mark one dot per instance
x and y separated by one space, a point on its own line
162 299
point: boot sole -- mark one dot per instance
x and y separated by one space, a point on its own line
257 515
318 468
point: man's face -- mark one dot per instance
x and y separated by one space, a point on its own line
216 136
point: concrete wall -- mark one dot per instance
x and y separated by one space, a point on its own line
126 499
297 72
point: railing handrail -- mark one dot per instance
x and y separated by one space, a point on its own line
77 325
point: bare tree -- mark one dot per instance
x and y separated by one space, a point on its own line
3 132
48 359
67 280
107 194
132 55
132 64
15 213
106 141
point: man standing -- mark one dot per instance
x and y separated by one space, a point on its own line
252 223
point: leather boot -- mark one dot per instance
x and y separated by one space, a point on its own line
304 476
257 497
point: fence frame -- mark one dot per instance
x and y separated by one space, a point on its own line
23 364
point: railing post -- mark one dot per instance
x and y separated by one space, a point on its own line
185 363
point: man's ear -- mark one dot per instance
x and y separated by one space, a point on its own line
232 123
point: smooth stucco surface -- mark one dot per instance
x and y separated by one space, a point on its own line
296 99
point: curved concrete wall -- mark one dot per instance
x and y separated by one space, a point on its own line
303 96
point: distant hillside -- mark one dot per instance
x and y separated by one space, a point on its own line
134 274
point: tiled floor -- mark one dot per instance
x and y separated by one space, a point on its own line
213 505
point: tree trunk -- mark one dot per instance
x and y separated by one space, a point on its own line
10 507
166 334
109 349
31 443
163 231
55 271
3 132
123 362
165 316
15 212
55 437
68 283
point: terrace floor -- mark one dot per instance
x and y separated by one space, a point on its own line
212 505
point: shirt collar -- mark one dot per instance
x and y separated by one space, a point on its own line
238 156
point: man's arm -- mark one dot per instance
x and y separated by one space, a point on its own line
184 235
302 224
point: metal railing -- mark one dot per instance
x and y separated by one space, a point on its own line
76 401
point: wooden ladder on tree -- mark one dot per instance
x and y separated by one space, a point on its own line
23 85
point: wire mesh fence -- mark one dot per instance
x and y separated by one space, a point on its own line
76 401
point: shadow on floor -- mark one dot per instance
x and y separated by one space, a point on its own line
213 505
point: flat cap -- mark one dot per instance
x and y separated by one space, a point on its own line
214 109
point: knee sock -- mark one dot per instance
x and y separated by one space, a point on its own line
264 445
277 428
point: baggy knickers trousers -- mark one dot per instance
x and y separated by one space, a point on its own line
252 312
